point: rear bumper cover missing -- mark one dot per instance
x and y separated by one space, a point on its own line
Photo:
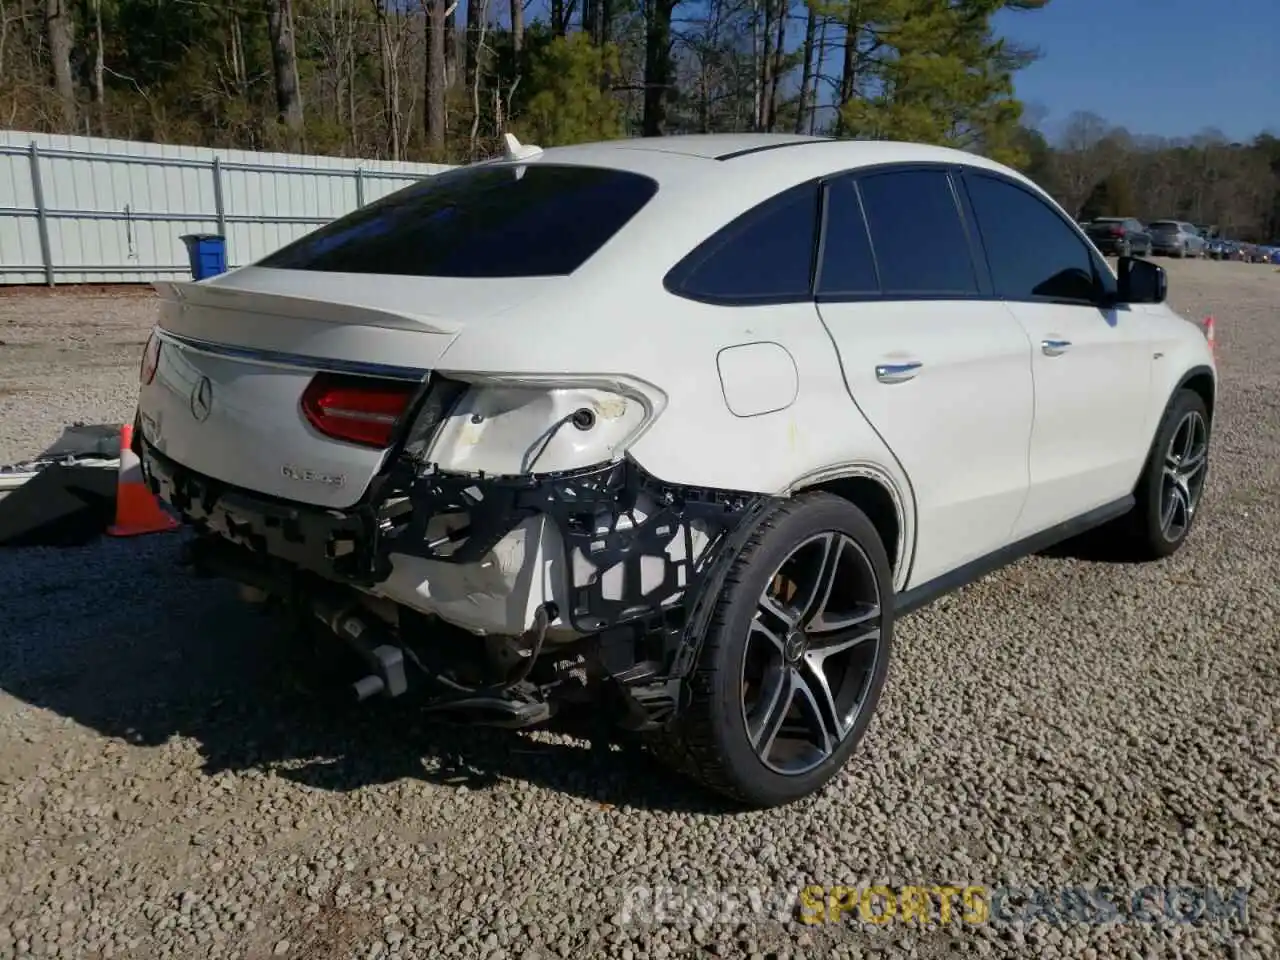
636 548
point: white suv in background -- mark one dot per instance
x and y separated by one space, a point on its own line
673 426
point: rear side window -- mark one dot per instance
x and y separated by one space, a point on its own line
764 255
920 242
484 221
1032 252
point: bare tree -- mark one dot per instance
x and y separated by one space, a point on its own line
437 70
517 26
657 65
1077 168
60 32
284 56
806 74
99 68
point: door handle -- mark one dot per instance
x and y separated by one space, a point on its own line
897 372
1054 348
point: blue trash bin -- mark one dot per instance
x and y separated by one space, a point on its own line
207 253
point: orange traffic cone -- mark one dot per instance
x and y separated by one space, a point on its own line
137 509
1210 333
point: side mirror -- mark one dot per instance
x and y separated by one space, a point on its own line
1140 281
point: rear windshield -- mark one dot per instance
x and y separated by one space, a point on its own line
533 220
1165 225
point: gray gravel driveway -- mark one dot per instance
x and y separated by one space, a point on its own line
173 782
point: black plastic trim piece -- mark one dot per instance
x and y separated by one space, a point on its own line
616 516
773 146
911 600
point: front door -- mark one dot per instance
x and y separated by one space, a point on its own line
1092 365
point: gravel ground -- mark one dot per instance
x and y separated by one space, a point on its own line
171 785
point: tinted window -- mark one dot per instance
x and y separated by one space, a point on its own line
847 264
916 231
1032 252
764 254
485 221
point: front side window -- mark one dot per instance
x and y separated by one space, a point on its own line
1032 252
480 221
920 243
764 255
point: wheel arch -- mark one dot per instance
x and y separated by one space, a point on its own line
1204 382
875 492
1202 379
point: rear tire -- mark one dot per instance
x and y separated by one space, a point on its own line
794 659
1172 484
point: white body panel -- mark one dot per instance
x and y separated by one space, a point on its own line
1092 371
959 426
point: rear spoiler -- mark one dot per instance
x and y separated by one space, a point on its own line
203 294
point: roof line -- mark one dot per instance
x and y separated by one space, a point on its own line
772 146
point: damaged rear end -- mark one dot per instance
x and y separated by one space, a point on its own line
482 538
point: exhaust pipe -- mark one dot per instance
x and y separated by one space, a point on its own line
385 660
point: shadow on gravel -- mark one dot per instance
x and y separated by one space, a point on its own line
117 638
1094 546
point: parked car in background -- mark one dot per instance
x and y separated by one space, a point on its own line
1121 236
1176 238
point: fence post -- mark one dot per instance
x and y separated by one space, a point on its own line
218 205
359 188
42 221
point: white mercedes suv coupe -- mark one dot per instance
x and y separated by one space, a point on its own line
674 427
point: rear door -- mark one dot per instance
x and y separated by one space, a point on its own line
1092 365
942 373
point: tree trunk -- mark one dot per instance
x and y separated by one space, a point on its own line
284 56
765 79
849 71
605 19
517 26
99 69
475 14
817 74
60 30
806 75
450 44
437 25
657 65
779 52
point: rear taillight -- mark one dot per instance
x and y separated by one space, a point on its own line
150 360
360 410
1117 231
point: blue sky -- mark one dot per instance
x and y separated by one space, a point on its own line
1165 67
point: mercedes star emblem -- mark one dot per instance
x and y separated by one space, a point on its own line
202 400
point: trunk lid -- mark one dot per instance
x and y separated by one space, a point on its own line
238 354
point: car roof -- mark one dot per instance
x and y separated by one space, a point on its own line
760 163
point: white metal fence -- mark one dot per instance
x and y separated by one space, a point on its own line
91 210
